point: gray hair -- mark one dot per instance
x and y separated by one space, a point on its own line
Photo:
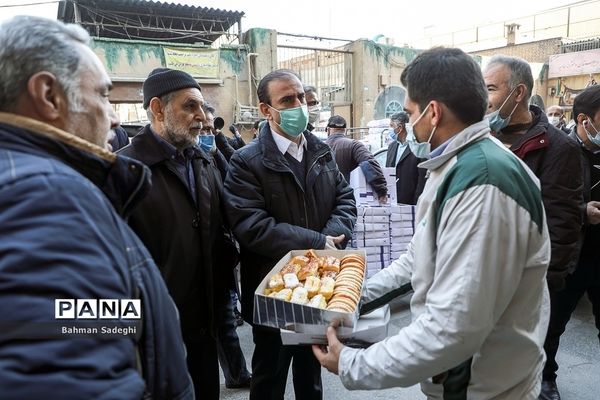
29 45
165 99
520 71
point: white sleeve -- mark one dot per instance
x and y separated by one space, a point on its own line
393 277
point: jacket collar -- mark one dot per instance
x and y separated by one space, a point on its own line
271 154
151 151
123 180
473 133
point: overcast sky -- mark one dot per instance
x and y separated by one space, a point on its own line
348 19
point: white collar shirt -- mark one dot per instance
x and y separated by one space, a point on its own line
287 146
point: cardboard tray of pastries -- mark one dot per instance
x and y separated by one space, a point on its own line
309 288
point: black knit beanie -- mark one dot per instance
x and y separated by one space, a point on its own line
164 80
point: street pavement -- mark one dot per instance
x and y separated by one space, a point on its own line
578 358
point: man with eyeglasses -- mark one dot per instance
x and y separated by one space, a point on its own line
586 277
314 107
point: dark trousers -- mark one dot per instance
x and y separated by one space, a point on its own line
203 365
271 362
231 357
585 279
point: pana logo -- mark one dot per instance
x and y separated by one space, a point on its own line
97 309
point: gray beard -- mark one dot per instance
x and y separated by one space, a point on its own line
179 137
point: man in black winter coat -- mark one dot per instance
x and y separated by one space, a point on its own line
410 180
552 156
180 220
549 153
586 277
284 192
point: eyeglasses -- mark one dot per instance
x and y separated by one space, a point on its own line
312 103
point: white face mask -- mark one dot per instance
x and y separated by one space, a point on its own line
314 112
421 149
554 120
595 138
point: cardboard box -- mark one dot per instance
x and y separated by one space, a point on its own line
400 239
361 227
370 328
398 247
371 235
373 219
394 255
277 313
363 211
363 193
402 209
401 232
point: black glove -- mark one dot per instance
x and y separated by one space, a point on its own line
233 130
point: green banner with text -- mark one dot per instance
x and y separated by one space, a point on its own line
200 63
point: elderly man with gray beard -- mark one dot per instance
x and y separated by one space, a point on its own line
180 220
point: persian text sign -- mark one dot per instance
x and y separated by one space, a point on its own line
200 63
579 63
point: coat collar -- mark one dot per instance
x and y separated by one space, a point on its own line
124 181
150 151
473 133
271 155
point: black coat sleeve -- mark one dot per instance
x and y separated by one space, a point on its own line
223 145
251 222
562 192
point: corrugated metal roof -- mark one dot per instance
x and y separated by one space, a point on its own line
149 20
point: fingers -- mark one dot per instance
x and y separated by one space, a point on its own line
332 337
339 239
320 353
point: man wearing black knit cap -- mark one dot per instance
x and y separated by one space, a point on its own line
180 220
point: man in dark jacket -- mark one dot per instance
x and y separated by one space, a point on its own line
350 154
410 180
552 156
62 199
180 220
284 192
586 277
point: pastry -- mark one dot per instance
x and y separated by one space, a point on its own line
291 281
318 301
300 295
276 282
312 285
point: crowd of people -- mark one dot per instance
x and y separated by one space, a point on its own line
507 220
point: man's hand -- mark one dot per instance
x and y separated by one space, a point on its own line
331 241
329 356
593 212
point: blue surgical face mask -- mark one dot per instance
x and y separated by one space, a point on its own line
593 138
393 135
207 143
293 121
497 123
421 149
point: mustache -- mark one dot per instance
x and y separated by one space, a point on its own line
197 125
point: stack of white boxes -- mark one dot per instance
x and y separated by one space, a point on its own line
383 232
402 221
363 193
372 234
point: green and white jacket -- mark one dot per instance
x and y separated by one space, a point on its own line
477 264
